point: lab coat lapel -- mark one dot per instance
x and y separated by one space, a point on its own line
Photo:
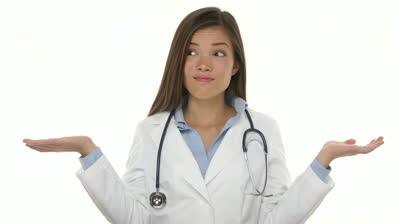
227 150
176 151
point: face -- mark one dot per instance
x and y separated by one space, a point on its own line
210 54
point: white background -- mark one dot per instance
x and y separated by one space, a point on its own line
326 70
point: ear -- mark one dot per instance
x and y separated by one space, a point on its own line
235 68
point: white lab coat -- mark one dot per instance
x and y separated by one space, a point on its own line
222 196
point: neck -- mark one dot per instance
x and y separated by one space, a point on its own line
207 112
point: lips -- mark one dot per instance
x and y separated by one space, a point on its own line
203 78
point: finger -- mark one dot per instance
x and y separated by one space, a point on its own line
51 148
376 142
43 144
370 147
40 141
45 147
377 139
40 149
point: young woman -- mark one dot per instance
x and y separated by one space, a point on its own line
187 163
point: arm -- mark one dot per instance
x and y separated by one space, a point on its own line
295 203
120 200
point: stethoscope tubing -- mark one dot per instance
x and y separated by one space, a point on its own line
160 149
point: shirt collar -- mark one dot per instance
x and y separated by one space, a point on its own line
238 103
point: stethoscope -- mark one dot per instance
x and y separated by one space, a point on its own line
158 199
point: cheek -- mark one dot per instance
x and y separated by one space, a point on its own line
224 67
224 72
185 73
189 64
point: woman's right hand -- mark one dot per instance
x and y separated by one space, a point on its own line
81 144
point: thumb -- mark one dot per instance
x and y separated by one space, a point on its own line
350 141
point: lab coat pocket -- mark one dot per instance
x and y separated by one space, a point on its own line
251 205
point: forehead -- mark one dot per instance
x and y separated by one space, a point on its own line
210 35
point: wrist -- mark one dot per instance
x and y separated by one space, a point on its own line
87 149
324 158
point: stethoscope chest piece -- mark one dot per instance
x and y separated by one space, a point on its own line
158 199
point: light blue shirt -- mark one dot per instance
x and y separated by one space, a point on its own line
195 143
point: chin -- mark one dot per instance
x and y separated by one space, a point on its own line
205 96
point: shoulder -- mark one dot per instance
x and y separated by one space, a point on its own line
153 120
270 128
263 118
156 118
145 127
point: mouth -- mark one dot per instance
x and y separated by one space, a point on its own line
203 79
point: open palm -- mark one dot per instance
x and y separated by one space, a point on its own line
348 148
63 144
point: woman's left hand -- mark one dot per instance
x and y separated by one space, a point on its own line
335 149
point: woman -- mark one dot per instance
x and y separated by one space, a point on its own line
198 121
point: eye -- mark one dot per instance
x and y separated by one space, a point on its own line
223 54
189 52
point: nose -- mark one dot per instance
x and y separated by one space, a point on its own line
204 64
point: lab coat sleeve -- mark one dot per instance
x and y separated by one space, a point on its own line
295 203
120 200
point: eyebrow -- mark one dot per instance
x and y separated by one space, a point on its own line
213 44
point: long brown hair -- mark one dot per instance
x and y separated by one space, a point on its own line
171 89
